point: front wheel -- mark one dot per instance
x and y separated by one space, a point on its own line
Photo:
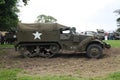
94 51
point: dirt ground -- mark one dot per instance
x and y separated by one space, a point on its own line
64 64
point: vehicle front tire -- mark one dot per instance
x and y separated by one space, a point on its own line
94 51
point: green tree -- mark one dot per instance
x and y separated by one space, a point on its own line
8 13
24 1
45 19
2 1
118 30
118 19
118 22
8 16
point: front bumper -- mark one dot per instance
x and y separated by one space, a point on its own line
107 45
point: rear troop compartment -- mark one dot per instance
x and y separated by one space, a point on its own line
45 32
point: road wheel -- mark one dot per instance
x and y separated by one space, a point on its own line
51 51
25 52
94 51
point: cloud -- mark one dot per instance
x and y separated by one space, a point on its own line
67 12
62 8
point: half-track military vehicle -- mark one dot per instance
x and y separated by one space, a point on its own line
48 39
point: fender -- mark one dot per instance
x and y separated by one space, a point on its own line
90 40
82 45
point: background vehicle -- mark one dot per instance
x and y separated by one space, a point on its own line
116 35
48 39
91 33
101 33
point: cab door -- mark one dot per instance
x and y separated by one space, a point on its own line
65 35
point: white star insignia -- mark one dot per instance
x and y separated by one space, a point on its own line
37 35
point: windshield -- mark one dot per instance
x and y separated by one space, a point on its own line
68 30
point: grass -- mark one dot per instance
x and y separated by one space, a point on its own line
114 43
50 78
9 74
6 46
112 76
13 74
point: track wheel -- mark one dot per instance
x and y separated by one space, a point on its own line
51 51
94 51
25 52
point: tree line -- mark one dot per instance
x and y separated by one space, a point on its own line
118 20
8 14
9 18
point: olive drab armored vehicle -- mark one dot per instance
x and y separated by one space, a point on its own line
48 39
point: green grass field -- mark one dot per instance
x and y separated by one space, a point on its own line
14 74
6 46
114 43
17 74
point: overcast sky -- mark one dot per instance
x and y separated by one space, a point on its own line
82 14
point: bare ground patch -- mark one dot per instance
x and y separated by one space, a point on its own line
63 64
